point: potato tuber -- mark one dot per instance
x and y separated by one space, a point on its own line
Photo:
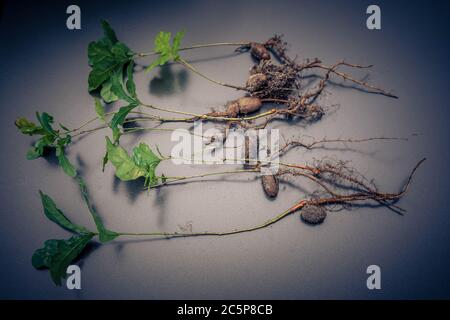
249 104
259 51
313 214
270 185
243 105
256 81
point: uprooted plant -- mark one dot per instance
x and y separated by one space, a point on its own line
276 83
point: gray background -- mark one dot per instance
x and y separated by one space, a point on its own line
44 67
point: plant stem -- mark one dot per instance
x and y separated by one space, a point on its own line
190 67
300 204
147 118
87 123
208 45
170 110
193 117
224 233
176 179
89 131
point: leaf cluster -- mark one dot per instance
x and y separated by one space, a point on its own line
166 51
142 163
112 76
57 254
49 139
108 58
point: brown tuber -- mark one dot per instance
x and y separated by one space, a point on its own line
313 214
249 104
243 105
232 109
259 51
270 185
256 81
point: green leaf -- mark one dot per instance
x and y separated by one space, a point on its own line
105 161
108 31
145 158
56 215
64 127
116 134
167 52
107 95
126 168
48 134
42 257
46 121
142 163
64 162
27 127
119 118
131 86
162 42
57 255
103 70
118 89
176 44
99 52
38 149
121 52
106 56
33 154
104 234
160 61
67 251
99 109
64 141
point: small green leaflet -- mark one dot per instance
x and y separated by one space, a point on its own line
107 56
99 109
28 127
50 138
104 234
64 127
142 163
119 118
128 94
131 86
144 157
167 52
42 257
107 95
46 121
111 94
38 149
56 215
64 162
118 88
126 168
45 130
104 161
109 32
